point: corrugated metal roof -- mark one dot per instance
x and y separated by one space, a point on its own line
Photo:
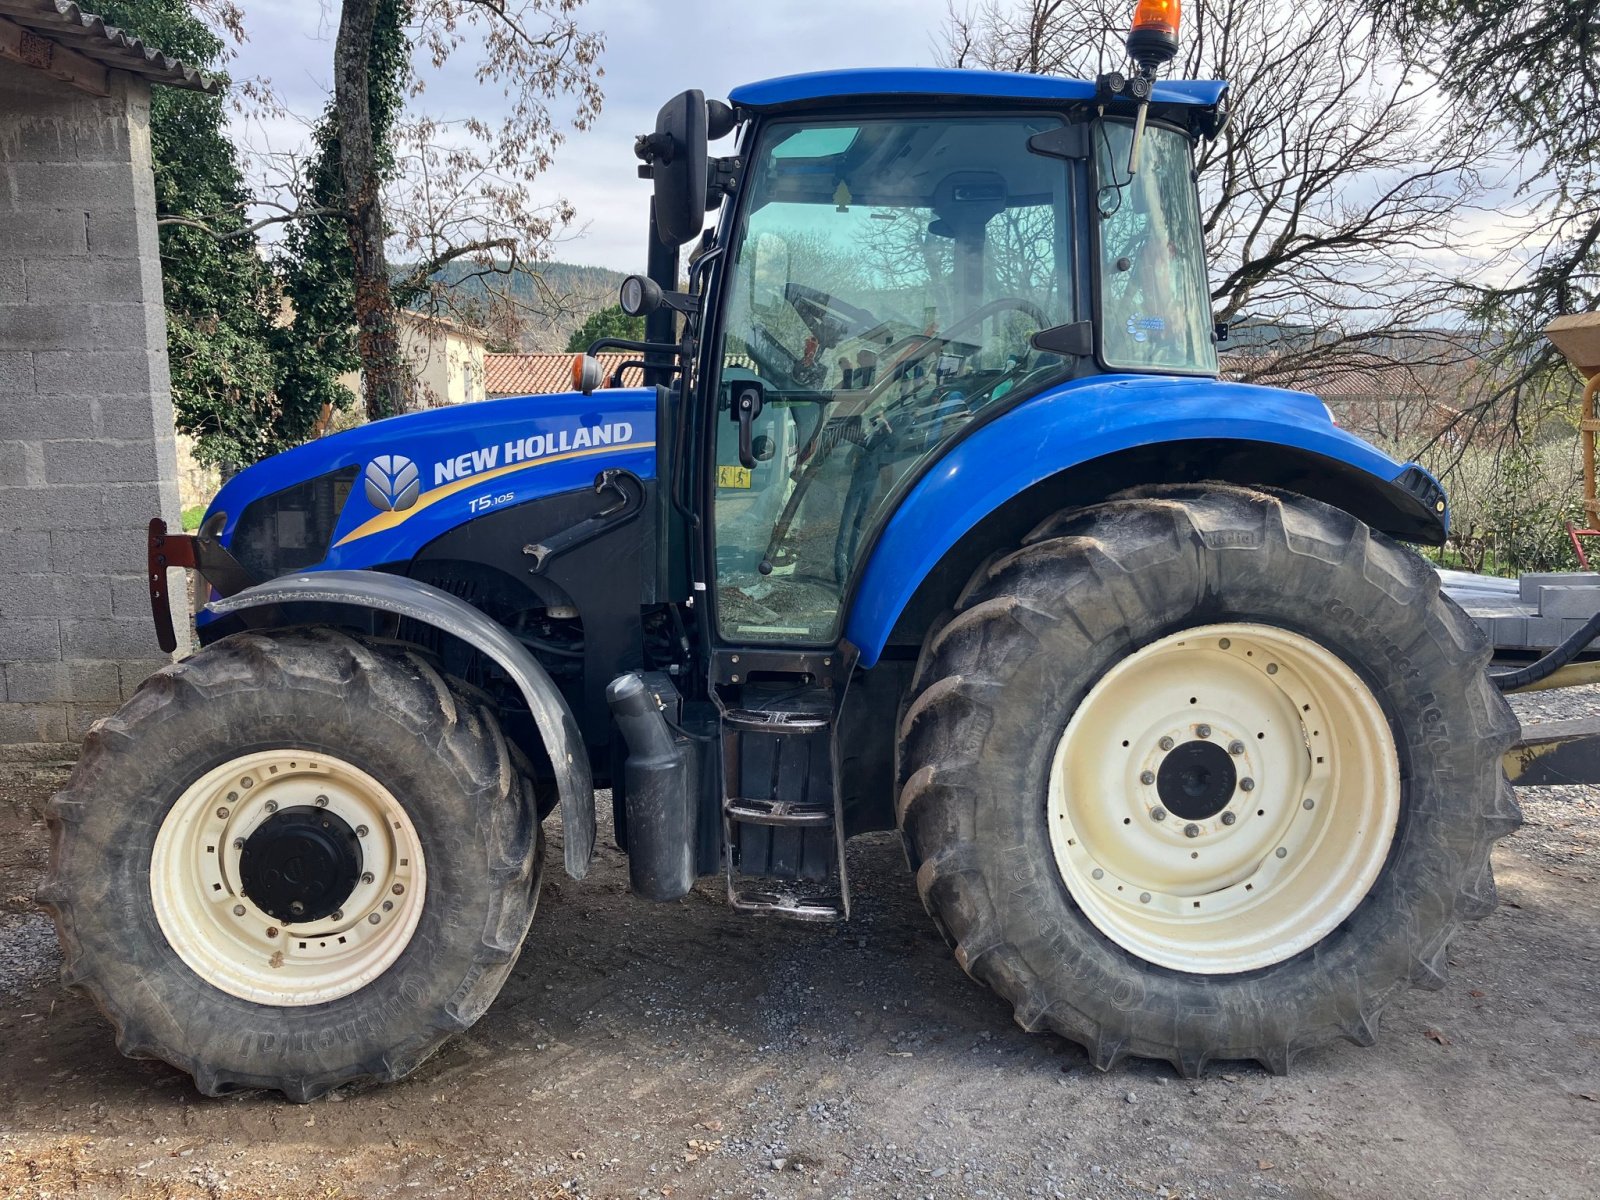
540 374
65 24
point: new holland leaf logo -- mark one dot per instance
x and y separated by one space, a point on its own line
392 482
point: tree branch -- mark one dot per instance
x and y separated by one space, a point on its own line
226 235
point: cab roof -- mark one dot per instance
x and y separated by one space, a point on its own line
942 82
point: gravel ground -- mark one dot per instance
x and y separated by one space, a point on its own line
679 1050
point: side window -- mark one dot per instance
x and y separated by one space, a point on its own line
1155 301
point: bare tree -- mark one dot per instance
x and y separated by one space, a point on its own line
440 211
458 190
378 338
1332 201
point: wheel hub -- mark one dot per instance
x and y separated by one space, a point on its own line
288 877
301 864
1223 797
1197 780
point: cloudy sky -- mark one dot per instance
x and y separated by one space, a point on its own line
654 49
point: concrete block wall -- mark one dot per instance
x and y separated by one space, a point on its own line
87 451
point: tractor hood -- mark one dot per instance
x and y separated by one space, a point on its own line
378 493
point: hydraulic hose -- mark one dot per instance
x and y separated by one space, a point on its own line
1543 668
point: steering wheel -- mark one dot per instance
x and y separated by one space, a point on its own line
944 337
872 409
1003 304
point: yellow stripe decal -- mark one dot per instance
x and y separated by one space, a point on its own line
388 520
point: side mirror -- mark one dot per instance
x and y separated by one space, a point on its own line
676 155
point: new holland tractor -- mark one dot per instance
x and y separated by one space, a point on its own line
931 514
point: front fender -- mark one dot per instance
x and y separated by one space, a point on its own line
1085 420
423 602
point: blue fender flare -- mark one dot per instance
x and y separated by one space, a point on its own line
1081 421
422 602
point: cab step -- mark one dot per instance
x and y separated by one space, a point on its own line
782 825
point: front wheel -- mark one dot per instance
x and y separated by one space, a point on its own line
293 861
1204 774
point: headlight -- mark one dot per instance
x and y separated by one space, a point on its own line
290 530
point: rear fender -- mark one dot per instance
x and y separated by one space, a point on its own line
1271 436
374 590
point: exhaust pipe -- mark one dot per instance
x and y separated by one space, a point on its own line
660 804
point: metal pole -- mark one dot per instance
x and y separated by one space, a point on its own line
661 266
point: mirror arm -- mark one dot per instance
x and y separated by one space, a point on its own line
722 177
1137 138
612 343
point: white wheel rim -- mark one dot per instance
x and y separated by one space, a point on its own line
228 941
1306 826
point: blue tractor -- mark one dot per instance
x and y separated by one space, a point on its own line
932 515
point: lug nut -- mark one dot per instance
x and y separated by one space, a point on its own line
1225 643
322 802
388 906
1144 897
1191 830
1235 748
1272 668
1165 743
296 907
1308 804
367 877
1247 784
1098 873
399 889
222 814
1202 731
1147 777
272 806
374 919
362 831
1281 852
238 843
1229 818
1158 814
337 915
238 910
273 932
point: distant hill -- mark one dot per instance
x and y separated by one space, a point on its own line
569 295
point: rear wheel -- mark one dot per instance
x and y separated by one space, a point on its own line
1205 773
293 861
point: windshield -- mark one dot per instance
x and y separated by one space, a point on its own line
1155 301
887 278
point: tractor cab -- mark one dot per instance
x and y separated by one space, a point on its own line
889 278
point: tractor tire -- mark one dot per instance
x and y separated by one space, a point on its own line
293 861
1204 773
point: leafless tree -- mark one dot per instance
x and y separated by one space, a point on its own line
443 211
1332 203
459 191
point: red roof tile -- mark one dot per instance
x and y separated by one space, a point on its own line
542 374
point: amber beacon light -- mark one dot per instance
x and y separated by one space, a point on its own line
1153 39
